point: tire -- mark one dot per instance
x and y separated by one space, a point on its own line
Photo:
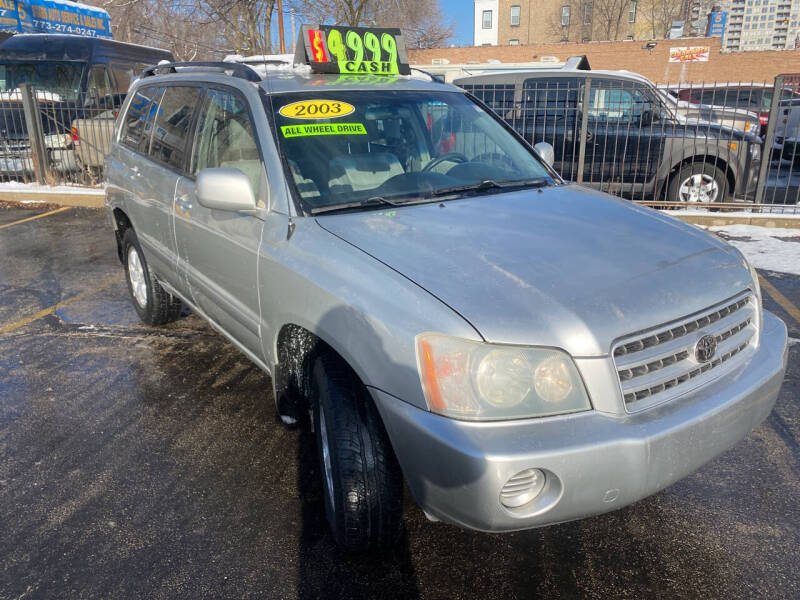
706 176
361 479
152 303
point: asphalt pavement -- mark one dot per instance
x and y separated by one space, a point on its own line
140 462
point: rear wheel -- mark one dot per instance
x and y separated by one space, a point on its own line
361 479
700 183
152 302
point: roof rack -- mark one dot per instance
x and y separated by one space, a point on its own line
236 69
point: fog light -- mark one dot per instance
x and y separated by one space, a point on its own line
522 488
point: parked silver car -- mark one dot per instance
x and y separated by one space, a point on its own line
427 292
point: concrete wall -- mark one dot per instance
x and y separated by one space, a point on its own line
728 66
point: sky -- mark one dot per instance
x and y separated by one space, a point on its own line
458 11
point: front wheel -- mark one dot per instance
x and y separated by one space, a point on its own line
700 183
361 479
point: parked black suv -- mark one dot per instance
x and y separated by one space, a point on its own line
634 145
73 77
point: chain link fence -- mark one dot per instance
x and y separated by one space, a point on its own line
715 146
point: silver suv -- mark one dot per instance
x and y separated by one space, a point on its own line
431 297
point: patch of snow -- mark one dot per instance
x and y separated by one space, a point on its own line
37 188
767 248
793 341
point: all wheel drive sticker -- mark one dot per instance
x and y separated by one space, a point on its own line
320 109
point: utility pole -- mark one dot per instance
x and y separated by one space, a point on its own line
280 26
294 31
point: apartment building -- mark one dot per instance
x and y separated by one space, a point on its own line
751 24
518 22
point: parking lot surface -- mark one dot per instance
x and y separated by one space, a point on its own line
149 462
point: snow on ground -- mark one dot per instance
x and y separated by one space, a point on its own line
37 188
770 249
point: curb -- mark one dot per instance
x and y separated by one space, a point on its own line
85 199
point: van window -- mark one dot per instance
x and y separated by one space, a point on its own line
124 75
171 125
61 78
225 137
135 123
99 83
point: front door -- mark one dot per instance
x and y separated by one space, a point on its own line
218 250
624 136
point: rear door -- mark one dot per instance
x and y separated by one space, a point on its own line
218 250
166 147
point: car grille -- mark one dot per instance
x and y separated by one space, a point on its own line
660 364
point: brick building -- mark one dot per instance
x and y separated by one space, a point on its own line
632 56
523 22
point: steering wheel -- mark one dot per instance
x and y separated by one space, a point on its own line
494 157
447 156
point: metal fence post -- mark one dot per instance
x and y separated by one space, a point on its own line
584 124
35 133
769 140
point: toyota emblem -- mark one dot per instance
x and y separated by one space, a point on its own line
705 348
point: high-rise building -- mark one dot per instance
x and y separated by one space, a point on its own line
757 24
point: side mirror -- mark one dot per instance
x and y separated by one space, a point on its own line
225 189
545 152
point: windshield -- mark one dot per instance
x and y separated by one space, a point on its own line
57 77
384 146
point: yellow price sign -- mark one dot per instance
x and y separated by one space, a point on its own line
317 109
353 50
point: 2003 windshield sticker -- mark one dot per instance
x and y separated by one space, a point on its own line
292 131
317 109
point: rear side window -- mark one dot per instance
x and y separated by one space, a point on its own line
170 130
135 125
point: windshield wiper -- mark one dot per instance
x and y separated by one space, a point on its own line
491 184
373 201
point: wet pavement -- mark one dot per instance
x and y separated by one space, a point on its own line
149 462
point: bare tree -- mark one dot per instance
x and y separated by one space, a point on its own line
195 29
659 15
609 18
421 21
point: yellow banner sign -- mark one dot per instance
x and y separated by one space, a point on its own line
317 109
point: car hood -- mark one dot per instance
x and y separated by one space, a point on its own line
566 267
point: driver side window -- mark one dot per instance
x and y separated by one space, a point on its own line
225 137
612 102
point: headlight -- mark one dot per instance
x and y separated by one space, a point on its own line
476 381
755 150
755 286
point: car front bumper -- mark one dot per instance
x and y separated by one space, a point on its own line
594 462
